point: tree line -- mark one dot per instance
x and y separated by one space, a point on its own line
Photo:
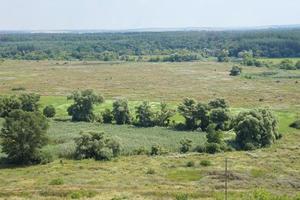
174 45
24 131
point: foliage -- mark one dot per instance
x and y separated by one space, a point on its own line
82 108
255 129
218 103
107 116
162 117
49 111
144 115
213 148
214 136
295 124
187 109
190 163
205 163
235 71
23 135
182 197
298 65
121 111
223 55
29 102
8 104
220 117
157 150
287 64
186 144
96 145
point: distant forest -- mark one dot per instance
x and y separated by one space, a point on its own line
271 43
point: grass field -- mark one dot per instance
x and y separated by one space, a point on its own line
275 169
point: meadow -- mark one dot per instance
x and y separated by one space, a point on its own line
275 169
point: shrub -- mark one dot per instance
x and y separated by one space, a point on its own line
82 108
141 151
256 129
235 71
190 164
46 157
218 103
97 146
8 104
107 116
23 135
162 117
295 124
157 150
214 136
29 102
213 148
205 163
221 118
287 64
121 112
144 115
186 144
49 111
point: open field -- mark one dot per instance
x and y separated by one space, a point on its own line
151 81
276 169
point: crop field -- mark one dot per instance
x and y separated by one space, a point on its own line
167 177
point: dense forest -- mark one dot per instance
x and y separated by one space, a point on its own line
187 45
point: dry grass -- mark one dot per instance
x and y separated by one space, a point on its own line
150 81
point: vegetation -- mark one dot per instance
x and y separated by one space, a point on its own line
49 111
82 109
235 71
295 124
97 146
121 112
256 129
23 135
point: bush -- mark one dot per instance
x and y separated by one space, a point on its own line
162 117
23 135
235 71
82 108
295 124
287 64
8 104
141 151
256 129
213 148
190 164
49 111
186 144
205 163
121 112
157 150
221 118
107 116
144 115
298 65
218 103
214 136
46 157
97 146
29 102
182 197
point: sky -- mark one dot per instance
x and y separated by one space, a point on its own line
136 14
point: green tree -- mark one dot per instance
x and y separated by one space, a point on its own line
121 111
214 136
144 115
202 114
30 102
220 117
107 116
162 117
23 135
188 109
49 111
82 108
96 145
256 128
218 103
8 104
223 55
186 145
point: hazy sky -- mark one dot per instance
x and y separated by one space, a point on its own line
128 14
